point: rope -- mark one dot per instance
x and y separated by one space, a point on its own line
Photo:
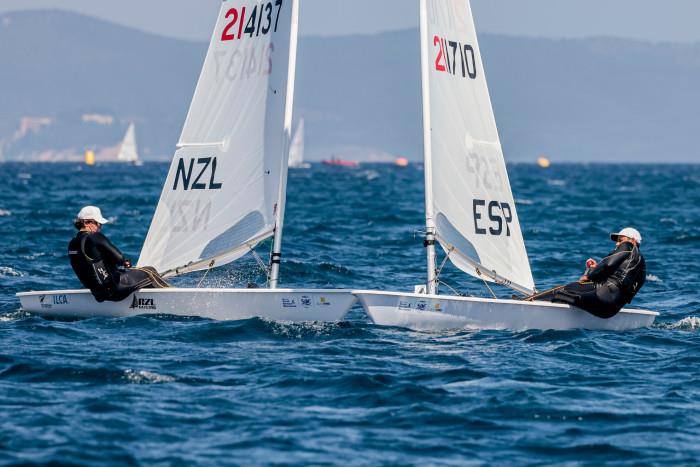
488 287
456 292
260 262
533 297
205 274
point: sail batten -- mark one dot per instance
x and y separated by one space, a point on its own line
221 195
468 196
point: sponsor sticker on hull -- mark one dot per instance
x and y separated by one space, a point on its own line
142 304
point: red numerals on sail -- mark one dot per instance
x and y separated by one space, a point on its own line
454 58
260 21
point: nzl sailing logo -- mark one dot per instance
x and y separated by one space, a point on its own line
143 303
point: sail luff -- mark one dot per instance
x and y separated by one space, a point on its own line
427 154
284 166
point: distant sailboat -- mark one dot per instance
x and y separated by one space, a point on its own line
337 162
128 151
226 188
296 151
470 210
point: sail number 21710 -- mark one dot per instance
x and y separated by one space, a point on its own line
453 57
257 22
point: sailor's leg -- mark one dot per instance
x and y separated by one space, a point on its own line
585 296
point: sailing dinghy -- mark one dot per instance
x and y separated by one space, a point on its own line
128 151
470 210
296 151
226 188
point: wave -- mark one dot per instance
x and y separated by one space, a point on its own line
686 324
653 278
6 271
13 316
146 377
5 212
218 332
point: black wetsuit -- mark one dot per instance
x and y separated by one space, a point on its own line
613 283
102 268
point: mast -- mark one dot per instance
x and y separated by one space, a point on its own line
276 255
427 153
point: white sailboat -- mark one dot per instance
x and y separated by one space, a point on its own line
470 210
128 151
226 188
296 151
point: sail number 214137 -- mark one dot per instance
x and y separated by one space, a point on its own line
263 18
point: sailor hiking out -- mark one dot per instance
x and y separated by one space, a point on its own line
610 284
100 266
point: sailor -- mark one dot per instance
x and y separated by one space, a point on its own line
100 266
610 284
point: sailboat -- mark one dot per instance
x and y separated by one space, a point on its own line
296 151
128 151
469 206
226 188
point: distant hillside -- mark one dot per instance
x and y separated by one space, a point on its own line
602 99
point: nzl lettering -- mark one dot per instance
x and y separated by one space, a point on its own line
499 214
202 181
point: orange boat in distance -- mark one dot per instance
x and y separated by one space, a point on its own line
340 162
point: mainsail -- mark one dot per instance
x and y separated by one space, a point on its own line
469 203
296 150
128 152
222 192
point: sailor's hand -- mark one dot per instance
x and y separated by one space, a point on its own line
591 263
583 279
127 263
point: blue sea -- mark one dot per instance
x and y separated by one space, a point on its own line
177 391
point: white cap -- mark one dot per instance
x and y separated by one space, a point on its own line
91 213
628 232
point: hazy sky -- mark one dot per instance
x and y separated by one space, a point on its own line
655 20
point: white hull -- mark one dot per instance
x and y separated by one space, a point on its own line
439 312
218 304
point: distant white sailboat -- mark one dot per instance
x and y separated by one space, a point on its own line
226 188
470 210
296 151
128 151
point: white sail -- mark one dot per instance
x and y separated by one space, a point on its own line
128 152
468 195
221 193
296 150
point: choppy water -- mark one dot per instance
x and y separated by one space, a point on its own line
181 391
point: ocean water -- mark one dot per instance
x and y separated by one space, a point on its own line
191 391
